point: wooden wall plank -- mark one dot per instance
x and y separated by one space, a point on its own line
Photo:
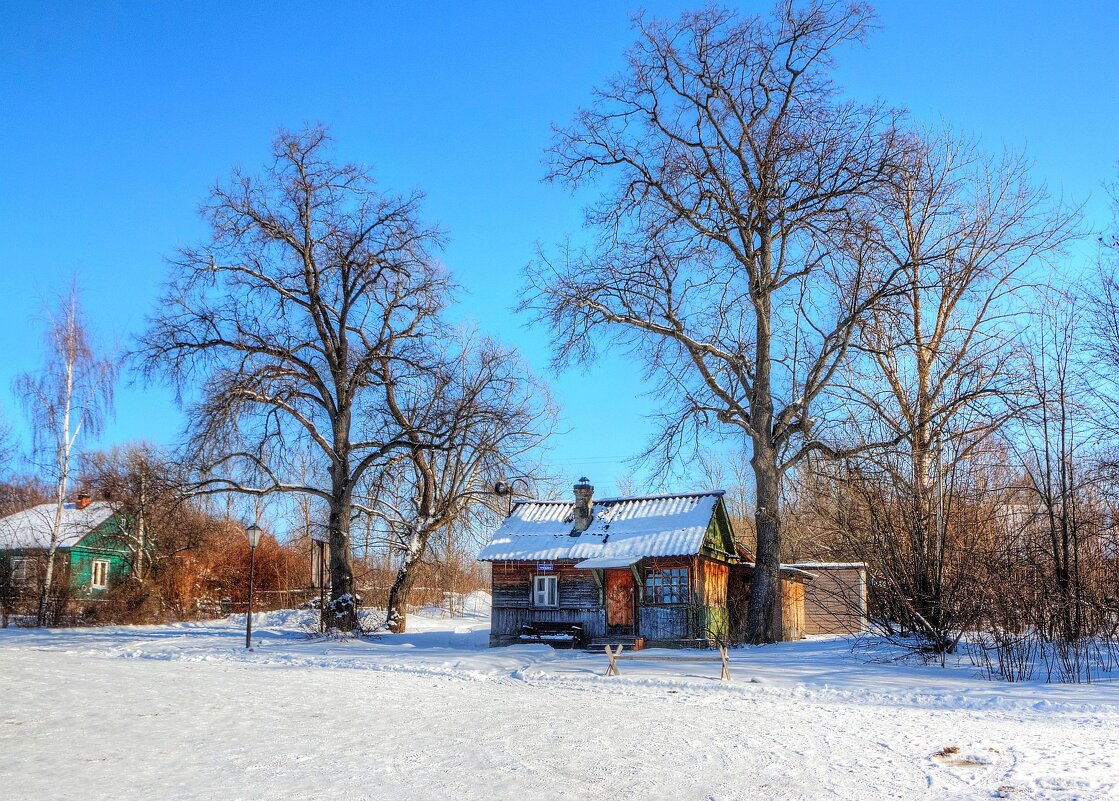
579 600
792 610
715 576
506 622
835 602
668 622
512 584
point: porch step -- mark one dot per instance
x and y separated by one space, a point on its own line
631 643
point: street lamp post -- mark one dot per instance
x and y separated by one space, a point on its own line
508 490
253 532
318 541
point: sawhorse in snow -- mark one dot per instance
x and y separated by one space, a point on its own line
613 655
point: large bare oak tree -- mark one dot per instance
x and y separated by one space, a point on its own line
733 250
283 323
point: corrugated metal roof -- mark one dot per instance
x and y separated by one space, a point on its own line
655 525
603 562
31 528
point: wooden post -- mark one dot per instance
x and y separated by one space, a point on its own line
322 585
612 656
249 618
726 673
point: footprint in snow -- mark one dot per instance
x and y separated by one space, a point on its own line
972 767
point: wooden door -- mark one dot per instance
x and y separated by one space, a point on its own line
619 601
792 610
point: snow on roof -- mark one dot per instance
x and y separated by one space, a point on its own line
830 565
655 525
603 562
31 528
788 570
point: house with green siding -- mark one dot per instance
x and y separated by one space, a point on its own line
95 549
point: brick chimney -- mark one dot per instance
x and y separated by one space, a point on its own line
584 502
83 501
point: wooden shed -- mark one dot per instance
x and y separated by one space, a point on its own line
793 593
835 600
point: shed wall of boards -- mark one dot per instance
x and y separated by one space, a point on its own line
835 600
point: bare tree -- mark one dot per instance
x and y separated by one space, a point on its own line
1058 476
146 487
1048 579
8 447
1101 304
69 398
312 283
474 421
733 251
940 368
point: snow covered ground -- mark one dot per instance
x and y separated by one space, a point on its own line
184 712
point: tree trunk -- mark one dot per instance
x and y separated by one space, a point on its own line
62 456
141 527
397 620
397 617
341 613
56 527
45 589
763 610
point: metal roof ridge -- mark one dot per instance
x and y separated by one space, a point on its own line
623 498
702 494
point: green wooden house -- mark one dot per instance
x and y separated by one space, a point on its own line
95 550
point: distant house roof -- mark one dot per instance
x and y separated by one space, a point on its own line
32 527
621 528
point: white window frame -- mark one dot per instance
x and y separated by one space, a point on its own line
99 566
23 568
545 591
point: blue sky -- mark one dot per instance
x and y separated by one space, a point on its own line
118 117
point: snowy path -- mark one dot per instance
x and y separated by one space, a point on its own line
180 712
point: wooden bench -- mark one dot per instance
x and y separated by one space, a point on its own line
553 633
613 655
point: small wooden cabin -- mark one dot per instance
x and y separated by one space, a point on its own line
650 570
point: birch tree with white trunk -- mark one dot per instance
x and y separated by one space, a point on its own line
69 398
